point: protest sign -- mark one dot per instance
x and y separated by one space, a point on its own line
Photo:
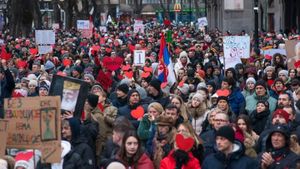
83 24
44 49
3 136
45 37
48 149
235 48
202 22
139 57
102 29
85 27
32 122
293 52
112 64
271 52
138 28
104 79
55 26
103 18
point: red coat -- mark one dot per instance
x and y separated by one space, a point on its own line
143 163
169 162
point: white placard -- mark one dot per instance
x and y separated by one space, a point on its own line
234 5
83 24
102 28
235 48
139 57
138 28
1 42
45 49
138 22
46 37
202 22
271 52
103 18
55 26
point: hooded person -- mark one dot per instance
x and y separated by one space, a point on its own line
229 152
155 92
71 131
134 110
278 154
182 62
259 116
121 92
249 87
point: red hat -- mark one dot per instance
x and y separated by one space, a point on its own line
282 113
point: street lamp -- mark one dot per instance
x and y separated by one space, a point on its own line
256 41
177 9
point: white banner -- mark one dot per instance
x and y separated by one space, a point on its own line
139 57
45 37
271 52
235 48
83 24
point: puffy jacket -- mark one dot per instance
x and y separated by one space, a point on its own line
235 160
259 120
236 101
7 85
252 100
170 163
126 110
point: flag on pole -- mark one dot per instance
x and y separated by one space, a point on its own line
165 65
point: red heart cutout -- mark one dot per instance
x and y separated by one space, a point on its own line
224 92
33 51
297 64
148 69
138 112
24 156
126 67
67 62
112 64
164 85
128 74
181 83
184 143
145 74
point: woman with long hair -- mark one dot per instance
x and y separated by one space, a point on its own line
131 153
179 103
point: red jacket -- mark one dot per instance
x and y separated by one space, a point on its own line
169 162
143 163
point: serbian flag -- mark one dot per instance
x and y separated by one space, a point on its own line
165 65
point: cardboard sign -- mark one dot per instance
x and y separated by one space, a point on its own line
139 57
112 64
235 48
46 37
51 151
3 136
44 49
33 121
293 52
202 22
138 28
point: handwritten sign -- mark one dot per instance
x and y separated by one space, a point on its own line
83 24
271 52
45 37
202 22
3 136
235 48
139 57
44 49
32 121
51 151
85 27
138 28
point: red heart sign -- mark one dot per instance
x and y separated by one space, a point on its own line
224 92
112 64
297 64
181 83
164 85
24 156
128 74
148 69
145 74
138 112
67 62
184 143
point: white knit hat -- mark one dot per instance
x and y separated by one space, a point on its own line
3 164
184 89
250 79
115 165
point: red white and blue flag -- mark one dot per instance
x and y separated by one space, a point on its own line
165 65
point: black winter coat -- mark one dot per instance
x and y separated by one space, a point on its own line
259 120
7 86
236 160
86 153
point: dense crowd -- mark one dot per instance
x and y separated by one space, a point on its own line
244 117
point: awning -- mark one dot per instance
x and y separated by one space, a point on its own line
148 10
125 8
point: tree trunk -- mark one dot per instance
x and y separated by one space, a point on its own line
37 14
21 17
56 13
164 14
198 13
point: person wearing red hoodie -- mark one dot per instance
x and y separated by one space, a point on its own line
181 157
131 153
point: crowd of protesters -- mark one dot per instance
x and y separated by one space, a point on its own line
244 117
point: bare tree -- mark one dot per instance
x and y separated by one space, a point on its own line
197 8
138 7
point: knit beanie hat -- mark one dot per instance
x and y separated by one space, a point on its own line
198 96
222 98
33 82
266 103
226 132
78 69
156 84
93 100
184 89
25 159
261 83
49 65
250 79
282 113
123 87
269 68
90 76
283 72
115 165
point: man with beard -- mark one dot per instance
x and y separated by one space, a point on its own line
155 92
